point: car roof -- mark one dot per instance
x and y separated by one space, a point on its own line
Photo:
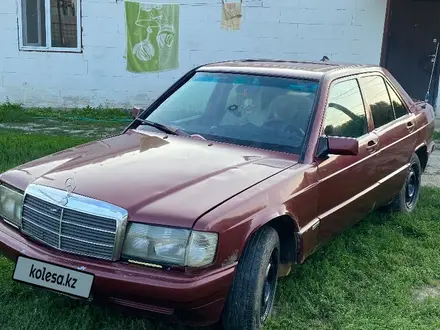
287 68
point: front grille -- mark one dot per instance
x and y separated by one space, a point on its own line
68 229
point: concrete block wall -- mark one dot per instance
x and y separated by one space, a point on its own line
344 30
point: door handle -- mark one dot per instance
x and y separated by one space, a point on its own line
371 145
410 125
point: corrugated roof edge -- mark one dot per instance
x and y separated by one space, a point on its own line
325 67
340 65
287 61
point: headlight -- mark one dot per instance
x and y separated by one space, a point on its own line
171 246
11 204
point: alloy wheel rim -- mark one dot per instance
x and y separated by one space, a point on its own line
411 187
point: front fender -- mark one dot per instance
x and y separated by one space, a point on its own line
291 194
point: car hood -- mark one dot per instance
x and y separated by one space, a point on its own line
158 180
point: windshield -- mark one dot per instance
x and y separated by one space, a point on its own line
250 110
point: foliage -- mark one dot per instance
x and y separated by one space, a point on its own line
13 113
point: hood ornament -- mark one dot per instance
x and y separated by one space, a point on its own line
69 186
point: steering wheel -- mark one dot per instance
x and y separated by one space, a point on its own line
281 125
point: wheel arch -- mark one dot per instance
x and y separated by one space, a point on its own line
422 152
287 228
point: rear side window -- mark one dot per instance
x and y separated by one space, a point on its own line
377 97
345 113
399 108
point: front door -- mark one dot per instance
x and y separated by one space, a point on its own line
413 35
346 183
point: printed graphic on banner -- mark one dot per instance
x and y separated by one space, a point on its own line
231 14
152 36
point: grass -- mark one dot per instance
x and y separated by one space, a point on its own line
436 135
86 122
364 279
16 113
16 148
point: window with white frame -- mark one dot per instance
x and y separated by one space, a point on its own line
51 25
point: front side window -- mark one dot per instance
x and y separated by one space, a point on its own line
345 113
50 25
378 99
250 110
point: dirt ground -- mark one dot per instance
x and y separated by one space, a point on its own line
431 177
57 127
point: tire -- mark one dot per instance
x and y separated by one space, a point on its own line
406 200
245 308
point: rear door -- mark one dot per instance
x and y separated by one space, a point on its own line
395 127
346 183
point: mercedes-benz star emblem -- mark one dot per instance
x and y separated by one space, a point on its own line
70 186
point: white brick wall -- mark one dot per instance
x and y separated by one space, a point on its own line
344 30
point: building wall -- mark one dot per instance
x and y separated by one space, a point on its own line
344 30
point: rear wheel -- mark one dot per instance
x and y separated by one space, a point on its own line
406 200
252 292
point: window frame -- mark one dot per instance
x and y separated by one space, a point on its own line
22 24
366 107
389 86
385 81
199 69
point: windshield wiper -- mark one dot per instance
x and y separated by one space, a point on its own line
164 128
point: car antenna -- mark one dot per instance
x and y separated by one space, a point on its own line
434 61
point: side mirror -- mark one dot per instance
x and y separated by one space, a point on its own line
136 111
337 146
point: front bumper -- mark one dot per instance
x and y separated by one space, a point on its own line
192 299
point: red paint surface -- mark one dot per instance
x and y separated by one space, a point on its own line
226 189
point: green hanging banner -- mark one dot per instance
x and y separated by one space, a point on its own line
152 36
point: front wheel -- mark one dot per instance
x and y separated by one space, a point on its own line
252 292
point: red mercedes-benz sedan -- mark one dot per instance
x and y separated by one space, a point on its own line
239 170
